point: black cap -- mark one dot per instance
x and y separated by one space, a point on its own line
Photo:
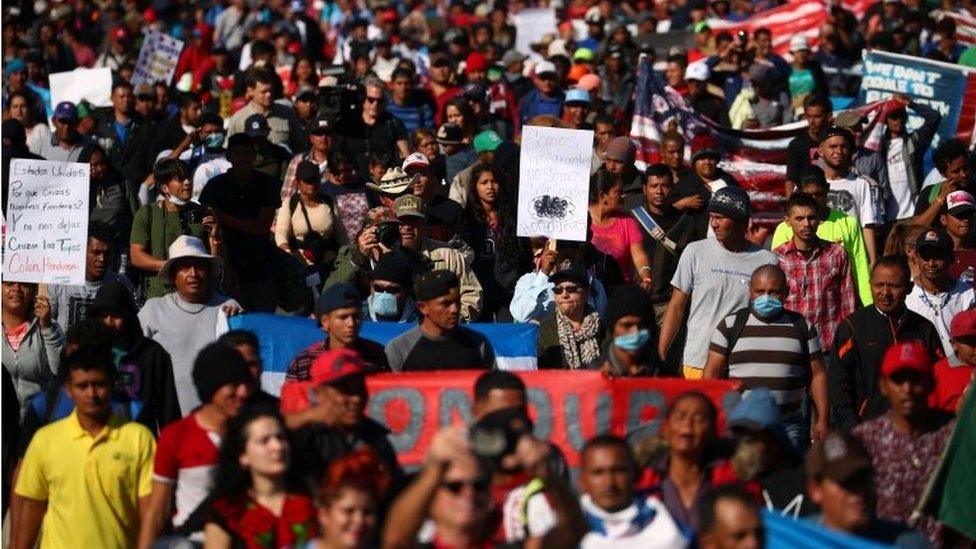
256 125
338 296
114 298
573 272
475 91
14 134
434 284
732 202
835 131
935 242
216 366
394 266
321 125
308 172
449 134
629 300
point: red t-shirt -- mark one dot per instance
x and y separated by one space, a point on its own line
616 239
186 455
965 259
950 382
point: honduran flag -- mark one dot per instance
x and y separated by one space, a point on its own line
283 337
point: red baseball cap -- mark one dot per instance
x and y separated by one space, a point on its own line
336 364
906 355
963 325
476 61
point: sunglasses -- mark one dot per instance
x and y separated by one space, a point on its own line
390 289
967 214
373 99
558 290
455 486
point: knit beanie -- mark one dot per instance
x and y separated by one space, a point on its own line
628 300
732 202
216 366
621 149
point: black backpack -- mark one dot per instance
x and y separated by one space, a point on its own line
742 317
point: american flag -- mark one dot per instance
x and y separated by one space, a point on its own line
756 158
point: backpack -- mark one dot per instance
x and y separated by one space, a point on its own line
742 317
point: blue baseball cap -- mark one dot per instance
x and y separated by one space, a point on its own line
576 95
66 110
15 65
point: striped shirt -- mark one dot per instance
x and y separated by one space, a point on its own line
771 355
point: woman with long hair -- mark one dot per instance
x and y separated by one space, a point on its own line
614 232
500 256
306 223
256 503
458 111
37 132
348 498
303 74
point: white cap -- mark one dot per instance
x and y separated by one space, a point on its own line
415 161
543 67
557 47
799 42
697 71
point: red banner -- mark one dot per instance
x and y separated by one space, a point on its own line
568 408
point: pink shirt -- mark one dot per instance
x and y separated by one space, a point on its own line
616 239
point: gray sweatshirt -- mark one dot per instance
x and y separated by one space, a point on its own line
35 363
70 304
183 329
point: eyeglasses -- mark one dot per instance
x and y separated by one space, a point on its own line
390 289
558 290
374 99
455 486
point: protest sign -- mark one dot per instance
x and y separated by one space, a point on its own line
531 25
567 408
157 59
949 89
91 85
47 222
554 182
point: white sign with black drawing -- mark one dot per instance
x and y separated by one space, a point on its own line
47 222
554 182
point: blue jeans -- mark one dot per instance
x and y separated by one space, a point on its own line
797 430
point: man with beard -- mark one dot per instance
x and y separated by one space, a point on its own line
849 192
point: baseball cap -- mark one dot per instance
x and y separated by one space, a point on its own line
839 457
576 95
583 54
701 26
963 325
256 125
434 284
67 110
321 125
476 61
906 355
307 171
487 141
704 146
450 134
545 67
335 364
15 65
416 161
731 202
513 56
697 71
588 82
338 296
958 202
305 93
799 42
475 92
409 205
934 240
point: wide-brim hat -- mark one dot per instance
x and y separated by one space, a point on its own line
394 181
187 246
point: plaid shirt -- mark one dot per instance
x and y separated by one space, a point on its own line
289 184
821 286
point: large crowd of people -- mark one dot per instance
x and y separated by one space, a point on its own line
358 161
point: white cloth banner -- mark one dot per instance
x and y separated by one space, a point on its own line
157 59
91 85
47 222
554 182
531 25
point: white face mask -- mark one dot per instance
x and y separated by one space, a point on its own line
175 200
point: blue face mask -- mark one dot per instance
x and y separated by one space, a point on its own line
213 141
767 306
633 341
383 304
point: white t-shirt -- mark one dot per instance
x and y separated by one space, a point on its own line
903 205
939 309
851 195
645 524
718 282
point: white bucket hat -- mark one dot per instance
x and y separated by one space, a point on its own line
187 246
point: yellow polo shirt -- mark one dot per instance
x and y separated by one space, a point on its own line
92 484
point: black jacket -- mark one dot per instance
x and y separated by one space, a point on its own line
859 347
133 159
155 387
319 445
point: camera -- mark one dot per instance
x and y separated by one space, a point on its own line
340 102
388 234
496 435
194 213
